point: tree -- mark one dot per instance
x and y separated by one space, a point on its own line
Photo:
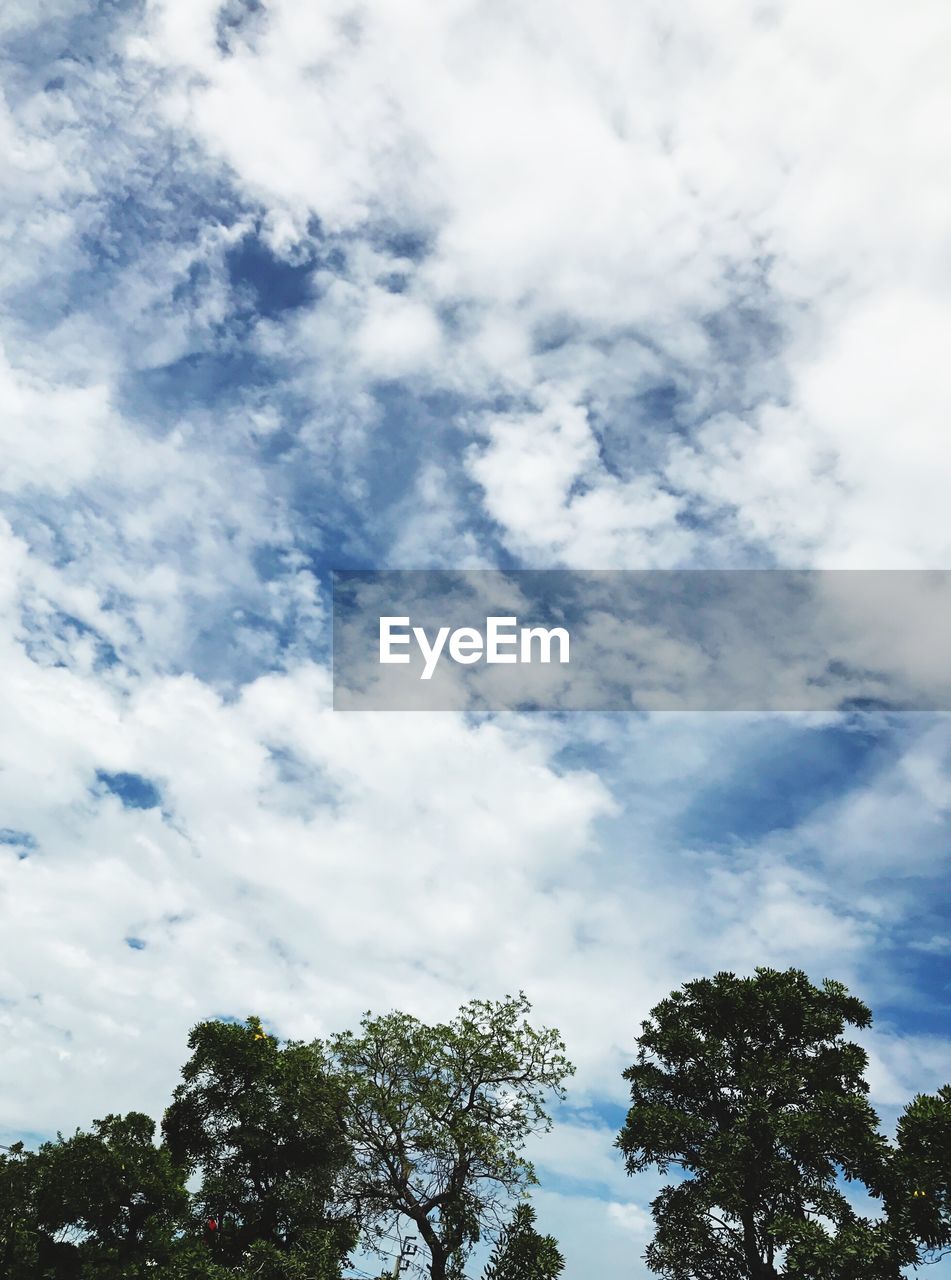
521 1253
439 1115
263 1126
749 1088
918 1197
109 1203
20 1235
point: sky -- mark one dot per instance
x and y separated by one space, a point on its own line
291 287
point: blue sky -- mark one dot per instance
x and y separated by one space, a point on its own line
288 288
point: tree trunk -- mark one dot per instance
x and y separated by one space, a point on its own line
757 1267
438 1254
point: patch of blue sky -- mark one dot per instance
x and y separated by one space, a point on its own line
633 430
361 507
132 789
206 379
748 340
156 204
412 243
268 285
780 774
308 788
239 645
223 368
233 636
41 528
17 839
593 748
564 1184
50 638
914 960
31 1138
604 1112
408 429
271 561
136 209
81 32
938 1269
650 400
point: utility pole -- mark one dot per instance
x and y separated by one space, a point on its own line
407 1249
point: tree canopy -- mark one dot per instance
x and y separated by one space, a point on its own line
263 1125
439 1115
521 1253
108 1203
20 1234
276 1160
749 1089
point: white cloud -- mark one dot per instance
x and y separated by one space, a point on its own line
743 208
597 1237
398 335
633 1218
901 1066
636 172
540 476
402 882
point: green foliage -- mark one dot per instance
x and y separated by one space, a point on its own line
262 1124
439 1115
521 1253
919 1194
745 1088
108 1203
20 1236
749 1088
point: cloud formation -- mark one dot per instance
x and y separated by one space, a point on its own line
286 288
